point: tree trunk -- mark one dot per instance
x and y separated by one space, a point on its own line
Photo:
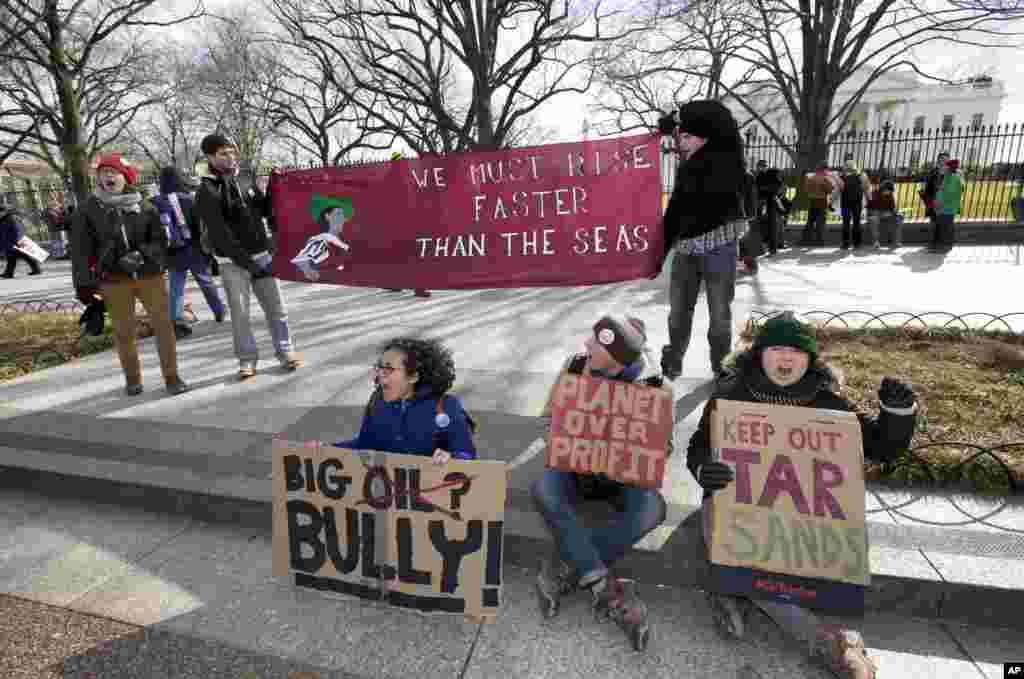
73 150
485 138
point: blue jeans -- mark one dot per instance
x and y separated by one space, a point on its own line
239 286
717 269
592 551
191 259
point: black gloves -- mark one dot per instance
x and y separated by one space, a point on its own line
667 123
715 475
894 393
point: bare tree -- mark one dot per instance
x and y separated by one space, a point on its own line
683 54
238 76
168 132
455 74
314 107
806 50
74 58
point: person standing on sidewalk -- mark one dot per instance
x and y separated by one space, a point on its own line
119 249
932 184
783 368
855 186
583 557
705 218
947 206
177 214
12 230
771 209
818 187
239 238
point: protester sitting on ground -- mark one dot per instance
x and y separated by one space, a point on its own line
12 230
410 410
783 368
178 216
119 249
614 350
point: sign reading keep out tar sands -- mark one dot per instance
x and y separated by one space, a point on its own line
791 525
389 527
614 428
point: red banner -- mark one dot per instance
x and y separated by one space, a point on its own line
559 215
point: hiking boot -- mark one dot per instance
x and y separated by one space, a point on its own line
246 369
35 272
176 386
613 600
423 293
6 275
133 390
729 613
555 580
289 360
181 331
671 363
842 651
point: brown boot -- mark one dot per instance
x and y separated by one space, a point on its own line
842 650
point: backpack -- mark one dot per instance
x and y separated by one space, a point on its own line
172 216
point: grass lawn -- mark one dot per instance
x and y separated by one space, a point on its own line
970 389
31 342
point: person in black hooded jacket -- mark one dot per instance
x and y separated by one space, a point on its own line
783 368
707 215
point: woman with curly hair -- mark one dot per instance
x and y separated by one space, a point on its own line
409 411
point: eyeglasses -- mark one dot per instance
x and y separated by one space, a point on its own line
381 368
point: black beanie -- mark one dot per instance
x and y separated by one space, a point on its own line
623 340
708 119
213 142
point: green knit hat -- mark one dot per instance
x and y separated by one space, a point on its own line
785 330
320 203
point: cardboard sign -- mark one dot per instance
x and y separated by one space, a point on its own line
31 249
395 528
791 526
614 428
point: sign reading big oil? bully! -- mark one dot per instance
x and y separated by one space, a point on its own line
614 428
791 525
394 528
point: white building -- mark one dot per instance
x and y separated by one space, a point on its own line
912 108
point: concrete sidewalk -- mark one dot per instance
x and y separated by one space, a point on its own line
211 610
205 455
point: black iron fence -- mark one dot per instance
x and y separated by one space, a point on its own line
991 163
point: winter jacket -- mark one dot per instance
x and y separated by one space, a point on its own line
883 437
11 231
882 201
232 222
409 426
855 185
710 191
948 197
97 237
819 188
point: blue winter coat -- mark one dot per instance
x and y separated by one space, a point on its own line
11 231
409 427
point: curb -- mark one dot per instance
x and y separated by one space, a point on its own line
681 564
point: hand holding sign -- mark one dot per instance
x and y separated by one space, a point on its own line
441 456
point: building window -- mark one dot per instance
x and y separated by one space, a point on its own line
947 122
919 125
976 121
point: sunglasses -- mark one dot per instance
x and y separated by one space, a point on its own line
381 368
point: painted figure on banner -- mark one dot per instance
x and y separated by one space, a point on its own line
410 410
783 368
583 557
330 213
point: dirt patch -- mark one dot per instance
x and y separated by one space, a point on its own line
970 390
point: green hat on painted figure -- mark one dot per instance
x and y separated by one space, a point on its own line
786 330
319 204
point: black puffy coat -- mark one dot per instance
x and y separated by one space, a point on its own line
884 436
98 242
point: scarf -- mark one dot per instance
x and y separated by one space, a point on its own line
126 202
803 393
